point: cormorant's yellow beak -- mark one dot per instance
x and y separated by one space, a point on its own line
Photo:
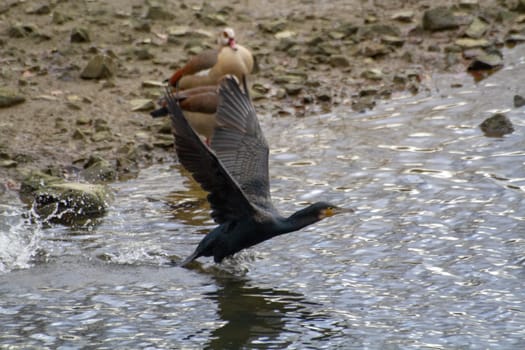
326 213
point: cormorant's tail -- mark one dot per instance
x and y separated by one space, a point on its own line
189 259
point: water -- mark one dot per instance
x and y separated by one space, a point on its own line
432 258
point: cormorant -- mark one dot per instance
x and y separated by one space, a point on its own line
235 173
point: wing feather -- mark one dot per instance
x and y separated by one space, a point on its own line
227 199
240 144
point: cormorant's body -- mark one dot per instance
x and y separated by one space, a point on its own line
235 173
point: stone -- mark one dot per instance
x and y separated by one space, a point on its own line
323 96
21 30
8 163
373 49
157 12
78 134
392 40
362 104
59 18
273 27
439 18
514 39
39 9
83 120
497 126
293 89
372 74
489 60
57 201
339 61
372 31
152 84
143 53
477 28
79 35
348 29
100 66
520 6
519 101
142 104
403 16
285 34
469 4
98 169
142 25
9 97
335 35
214 19
468 43
163 141
102 136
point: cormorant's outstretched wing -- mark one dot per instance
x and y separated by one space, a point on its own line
239 142
227 200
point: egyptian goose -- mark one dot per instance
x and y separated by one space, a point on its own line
199 105
208 67
197 81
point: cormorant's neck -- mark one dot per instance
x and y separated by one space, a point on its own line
297 221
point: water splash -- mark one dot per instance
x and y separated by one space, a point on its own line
18 239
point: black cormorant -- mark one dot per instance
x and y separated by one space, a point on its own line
235 173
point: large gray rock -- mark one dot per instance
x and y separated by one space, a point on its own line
54 200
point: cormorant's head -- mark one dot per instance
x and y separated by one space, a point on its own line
227 38
323 210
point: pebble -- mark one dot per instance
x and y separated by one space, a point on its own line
477 28
469 43
519 101
142 104
293 89
39 9
403 16
497 126
339 61
152 84
79 35
439 18
486 61
9 97
157 12
21 30
99 67
373 74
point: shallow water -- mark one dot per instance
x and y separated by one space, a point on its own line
432 258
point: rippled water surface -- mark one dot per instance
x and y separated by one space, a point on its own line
432 258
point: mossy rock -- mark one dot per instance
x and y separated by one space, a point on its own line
69 203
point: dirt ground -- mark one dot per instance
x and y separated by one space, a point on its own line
311 55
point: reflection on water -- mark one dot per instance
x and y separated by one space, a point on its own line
432 258
256 318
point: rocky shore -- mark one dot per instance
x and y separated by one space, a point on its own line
78 78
